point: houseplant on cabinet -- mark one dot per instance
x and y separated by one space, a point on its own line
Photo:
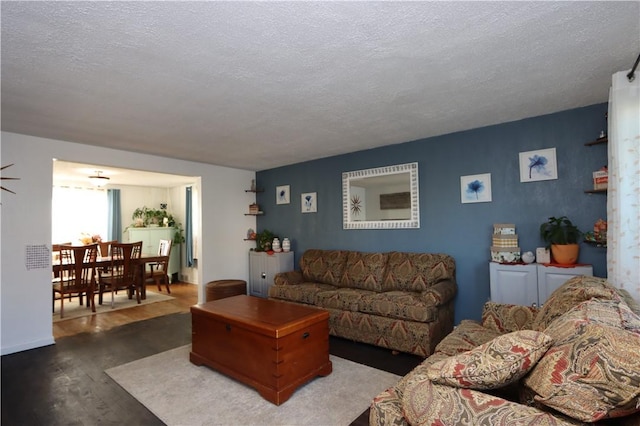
148 217
264 239
562 236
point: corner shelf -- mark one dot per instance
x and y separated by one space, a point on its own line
254 190
249 239
602 244
597 141
594 242
254 214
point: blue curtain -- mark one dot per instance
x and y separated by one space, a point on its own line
188 229
114 226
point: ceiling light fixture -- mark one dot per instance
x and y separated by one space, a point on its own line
99 180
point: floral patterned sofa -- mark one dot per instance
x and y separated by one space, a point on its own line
397 300
576 360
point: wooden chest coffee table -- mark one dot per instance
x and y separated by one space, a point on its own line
271 346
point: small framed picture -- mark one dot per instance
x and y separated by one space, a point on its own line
308 202
475 188
538 165
282 194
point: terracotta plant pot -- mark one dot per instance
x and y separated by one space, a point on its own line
565 254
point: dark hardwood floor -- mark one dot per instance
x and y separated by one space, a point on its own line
65 383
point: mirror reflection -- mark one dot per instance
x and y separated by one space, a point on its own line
381 198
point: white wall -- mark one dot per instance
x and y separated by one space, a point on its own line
25 294
132 197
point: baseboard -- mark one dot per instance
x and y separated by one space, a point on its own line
6 350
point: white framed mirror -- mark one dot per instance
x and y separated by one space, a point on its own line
381 198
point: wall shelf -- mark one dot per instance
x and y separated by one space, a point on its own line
596 191
254 208
602 244
597 141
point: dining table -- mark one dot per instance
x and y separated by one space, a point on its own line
140 265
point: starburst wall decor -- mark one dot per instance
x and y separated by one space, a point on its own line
7 178
356 205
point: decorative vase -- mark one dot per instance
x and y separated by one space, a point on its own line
565 254
275 246
286 245
528 257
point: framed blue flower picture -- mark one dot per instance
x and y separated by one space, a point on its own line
475 188
308 202
538 165
282 194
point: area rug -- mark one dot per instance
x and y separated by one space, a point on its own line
181 393
73 309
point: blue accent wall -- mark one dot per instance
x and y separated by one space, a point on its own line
446 225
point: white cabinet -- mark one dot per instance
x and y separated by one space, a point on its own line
263 267
517 284
530 284
151 237
552 277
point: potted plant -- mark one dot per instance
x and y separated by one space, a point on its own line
155 217
145 217
179 237
139 217
264 239
562 236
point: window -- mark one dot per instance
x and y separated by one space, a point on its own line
76 211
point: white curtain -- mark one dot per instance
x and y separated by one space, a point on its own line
623 196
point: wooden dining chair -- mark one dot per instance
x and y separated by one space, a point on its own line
77 274
159 271
55 258
55 253
105 247
122 273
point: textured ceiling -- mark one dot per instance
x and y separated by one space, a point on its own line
256 85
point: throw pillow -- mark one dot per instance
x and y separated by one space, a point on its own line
614 313
425 403
467 335
573 292
505 318
591 375
494 364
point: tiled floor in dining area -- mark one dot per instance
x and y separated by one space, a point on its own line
65 383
